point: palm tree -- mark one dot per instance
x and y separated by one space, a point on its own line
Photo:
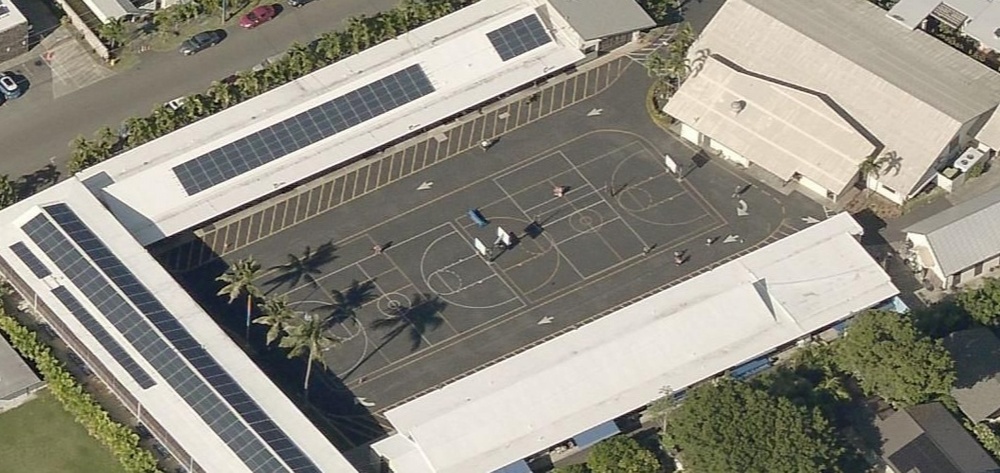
114 32
310 338
419 318
139 130
871 167
86 153
249 83
305 267
196 107
301 60
330 46
223 94
277 315
164 119
346 304
240 278
360 33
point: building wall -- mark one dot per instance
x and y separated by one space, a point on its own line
14 41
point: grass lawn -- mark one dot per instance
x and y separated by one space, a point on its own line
40 437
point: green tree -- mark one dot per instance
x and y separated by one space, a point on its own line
732 426
9 192
871 167
892 359
983 303
223 94
622 454
114 32
301 60
310 339
241 278
278 316
249 83
139 131
85 153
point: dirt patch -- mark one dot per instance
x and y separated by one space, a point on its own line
880 206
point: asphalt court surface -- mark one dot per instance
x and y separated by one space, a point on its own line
341 187
584 259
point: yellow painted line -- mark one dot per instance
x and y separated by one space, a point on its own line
511 123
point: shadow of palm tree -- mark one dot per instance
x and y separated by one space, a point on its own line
305 267
422 316
347 302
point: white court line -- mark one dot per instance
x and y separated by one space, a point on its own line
576 196
493 274
641 240
556 247
422 337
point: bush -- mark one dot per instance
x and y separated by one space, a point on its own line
621 454
361 33
118 438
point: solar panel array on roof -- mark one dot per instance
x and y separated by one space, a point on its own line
306 128
138 330
103 337
29 259
519 37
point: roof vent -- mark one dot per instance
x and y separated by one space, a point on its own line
737 106
967 159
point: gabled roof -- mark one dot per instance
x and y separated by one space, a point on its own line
594 19
623 360
977 18
963 235
908 90
928 439
977 362
783 129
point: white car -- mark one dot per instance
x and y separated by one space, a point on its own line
9 87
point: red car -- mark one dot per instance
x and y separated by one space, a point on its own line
258 16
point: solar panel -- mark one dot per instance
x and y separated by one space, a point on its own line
30 260
104 338
519 37
306 128
219 415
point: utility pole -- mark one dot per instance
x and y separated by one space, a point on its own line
224 4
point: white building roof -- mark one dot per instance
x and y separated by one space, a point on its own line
909 91
107 10
160 401
783 129
10 16
622 361
455 54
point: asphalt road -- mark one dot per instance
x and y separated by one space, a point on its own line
36 130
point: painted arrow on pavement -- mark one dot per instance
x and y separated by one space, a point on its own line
733 239
742 208
426 185
363 402
595 112
545 321
810 220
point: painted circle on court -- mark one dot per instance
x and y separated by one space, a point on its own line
308 307
585 220
393 304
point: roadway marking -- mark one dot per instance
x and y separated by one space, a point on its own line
350 188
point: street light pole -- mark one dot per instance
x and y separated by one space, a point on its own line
224 2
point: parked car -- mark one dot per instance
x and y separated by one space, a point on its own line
9 86
298 3
258 16
200 41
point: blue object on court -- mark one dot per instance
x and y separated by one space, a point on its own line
477 218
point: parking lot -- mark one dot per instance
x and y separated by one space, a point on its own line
436 309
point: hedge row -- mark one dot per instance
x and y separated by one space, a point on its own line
121 440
